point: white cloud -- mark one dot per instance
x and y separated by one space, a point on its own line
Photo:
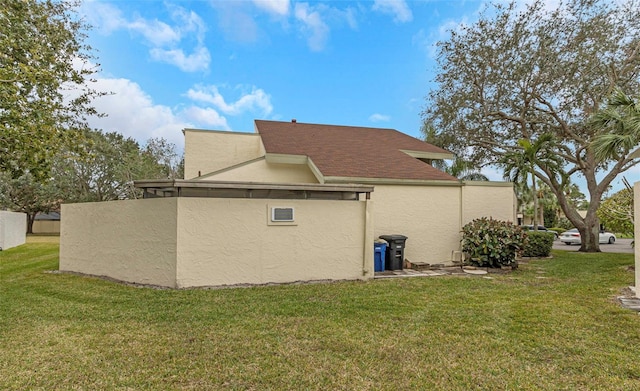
398 8
240 21
188 22
131 112
105 17
253 100
196 61
166 41
236 21
313 26
274 7
156 32
350 17
206 116
379 118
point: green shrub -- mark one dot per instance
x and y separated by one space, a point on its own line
558 230
492 243
564 222
539 244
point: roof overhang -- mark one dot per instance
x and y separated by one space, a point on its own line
224 189
428 155
392 181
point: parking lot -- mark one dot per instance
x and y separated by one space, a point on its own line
622 246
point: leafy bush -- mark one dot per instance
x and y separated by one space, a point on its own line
539 244
492 243
564 222
616 212
558 230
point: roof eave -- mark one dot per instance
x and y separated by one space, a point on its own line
393 181
428 155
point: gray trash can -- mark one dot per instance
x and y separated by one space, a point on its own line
395 251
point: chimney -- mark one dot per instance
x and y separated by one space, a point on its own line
293 121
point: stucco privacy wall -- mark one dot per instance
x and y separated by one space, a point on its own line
132 240
46 227
189 242
267 172
230 241
13 228
636 217
432 216
488 199
428 215
207 151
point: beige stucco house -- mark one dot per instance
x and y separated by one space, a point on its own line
339 187
411 197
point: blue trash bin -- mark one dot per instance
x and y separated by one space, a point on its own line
379 256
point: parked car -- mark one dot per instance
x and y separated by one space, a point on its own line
540 228
572 236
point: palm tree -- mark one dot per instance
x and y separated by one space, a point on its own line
459 168
619 122
521 163
465 171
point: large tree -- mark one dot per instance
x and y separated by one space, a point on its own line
103 170
616 212
520 72
619 127
28 195
109 163
44 69
459 168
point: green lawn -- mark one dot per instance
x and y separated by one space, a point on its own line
553 324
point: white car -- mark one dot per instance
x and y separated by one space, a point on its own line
572 236
540 228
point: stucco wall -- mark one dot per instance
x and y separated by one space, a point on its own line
428 215
261 171
432 216
223 242
488 199
13 228
133 240
189 242
636 217
209 151
46 227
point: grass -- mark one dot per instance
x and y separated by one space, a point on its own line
553 324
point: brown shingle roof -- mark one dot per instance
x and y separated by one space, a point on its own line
353 152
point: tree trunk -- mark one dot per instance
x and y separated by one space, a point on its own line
589 225
535 202
589 239
30 219
589 233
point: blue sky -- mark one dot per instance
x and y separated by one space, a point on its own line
221 64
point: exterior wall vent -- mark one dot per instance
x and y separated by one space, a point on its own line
282 214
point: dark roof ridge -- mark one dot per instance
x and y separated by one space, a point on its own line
353 151
327 125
